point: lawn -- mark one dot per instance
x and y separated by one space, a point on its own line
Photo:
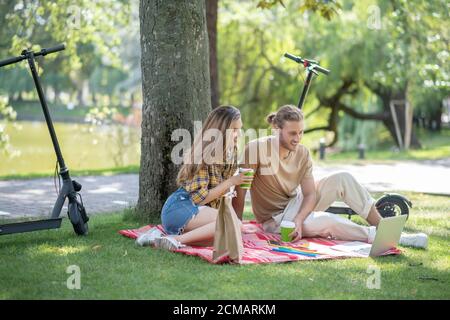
33 266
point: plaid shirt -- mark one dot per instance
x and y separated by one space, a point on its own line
209 177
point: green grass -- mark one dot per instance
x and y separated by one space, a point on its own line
33 266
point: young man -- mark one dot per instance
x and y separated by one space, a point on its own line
284 188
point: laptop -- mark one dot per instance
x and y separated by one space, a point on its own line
387 237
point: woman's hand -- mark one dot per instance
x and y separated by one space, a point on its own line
240 178
248 228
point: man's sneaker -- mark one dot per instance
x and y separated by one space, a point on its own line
168 243
418 240
148 237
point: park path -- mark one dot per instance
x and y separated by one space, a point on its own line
102 194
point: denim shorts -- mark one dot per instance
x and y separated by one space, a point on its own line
177 211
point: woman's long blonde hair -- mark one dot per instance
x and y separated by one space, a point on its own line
201 152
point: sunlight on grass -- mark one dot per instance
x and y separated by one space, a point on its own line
60 251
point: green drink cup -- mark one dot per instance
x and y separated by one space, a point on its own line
286 228
247 172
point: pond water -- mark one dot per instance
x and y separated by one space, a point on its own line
83 146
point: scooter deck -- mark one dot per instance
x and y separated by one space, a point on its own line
29 226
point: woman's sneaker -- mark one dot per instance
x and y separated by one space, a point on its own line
418 240
148 237
168 243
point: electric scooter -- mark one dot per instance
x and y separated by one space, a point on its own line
70 188
390 204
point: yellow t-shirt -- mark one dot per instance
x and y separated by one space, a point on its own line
276 180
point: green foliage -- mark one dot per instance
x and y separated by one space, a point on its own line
91 30
326 8
76 23
399 45
101 39
391 45
7 114
101 115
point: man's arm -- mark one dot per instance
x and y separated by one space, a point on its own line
250 160
239 201
308 205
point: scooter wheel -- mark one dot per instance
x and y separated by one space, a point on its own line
79 226
391 205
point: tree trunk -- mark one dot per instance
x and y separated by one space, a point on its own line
387 95
435 122
400 112
57 93
94 99
175 87
333 122
211 19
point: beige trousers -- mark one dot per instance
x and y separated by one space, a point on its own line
340 186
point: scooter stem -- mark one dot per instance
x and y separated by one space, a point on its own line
48 119
305 89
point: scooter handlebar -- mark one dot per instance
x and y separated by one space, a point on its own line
23 56
11 61
292 57
57 48
320 69
314 64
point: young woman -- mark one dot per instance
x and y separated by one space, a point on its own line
189 214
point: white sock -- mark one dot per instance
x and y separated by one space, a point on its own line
417 240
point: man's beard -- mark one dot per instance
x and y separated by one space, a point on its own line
286 145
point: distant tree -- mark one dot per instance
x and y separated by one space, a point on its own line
371 49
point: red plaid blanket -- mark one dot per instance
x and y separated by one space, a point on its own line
258 250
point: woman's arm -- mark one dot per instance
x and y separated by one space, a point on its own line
225 186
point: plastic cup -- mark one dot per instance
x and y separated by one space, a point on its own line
286 228
247 172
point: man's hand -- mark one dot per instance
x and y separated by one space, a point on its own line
239 202
308 204
296 235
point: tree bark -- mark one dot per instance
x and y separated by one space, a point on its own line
211 19
175 87
400 112
386 95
